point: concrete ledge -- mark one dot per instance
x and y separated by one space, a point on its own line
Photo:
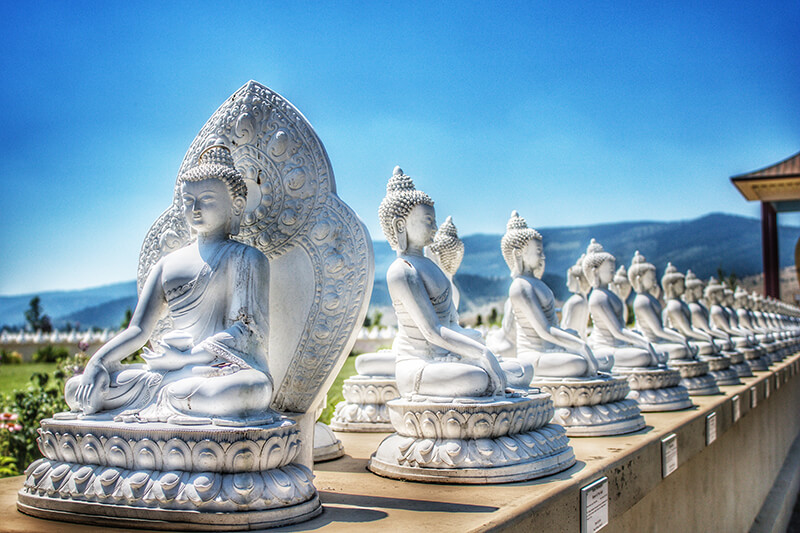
716 487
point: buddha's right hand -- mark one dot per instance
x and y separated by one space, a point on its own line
497 377
93 385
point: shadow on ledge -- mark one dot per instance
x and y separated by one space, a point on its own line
407 504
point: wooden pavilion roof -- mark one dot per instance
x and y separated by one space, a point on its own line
776 183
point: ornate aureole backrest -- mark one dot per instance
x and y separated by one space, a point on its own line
319 251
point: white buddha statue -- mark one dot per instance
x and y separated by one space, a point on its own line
212 366
609 339
447 251
742 303
701 320
552 351
680 317
446 375
621 286
575 312
724 319
563 363
654 386
647 310
435 355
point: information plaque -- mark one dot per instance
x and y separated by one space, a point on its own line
778 379
711 428
737 408
766 386
753 397
669 454
594 506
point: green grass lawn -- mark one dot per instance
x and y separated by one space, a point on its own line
335 392
13 377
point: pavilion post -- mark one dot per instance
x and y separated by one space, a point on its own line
769 246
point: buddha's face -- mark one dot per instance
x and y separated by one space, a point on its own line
573 285
533 256
606 271
678 287
207 205
420 225
648 280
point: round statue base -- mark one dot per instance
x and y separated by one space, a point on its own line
592 406
327 446
743 369
364 409
473 440
164 476
719 367
655 389
695 377
124 516
759 364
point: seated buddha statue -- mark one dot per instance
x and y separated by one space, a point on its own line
700 313
212 364
575 312
647 310
678 315
610 340
621 286
447 251
435 356
552 351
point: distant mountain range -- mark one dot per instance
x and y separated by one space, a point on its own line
706 244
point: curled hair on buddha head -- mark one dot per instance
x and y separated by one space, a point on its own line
447 247
693 282
517 235
639 267
595 256
401 197
669 280
216 162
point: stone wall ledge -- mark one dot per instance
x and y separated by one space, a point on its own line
716 487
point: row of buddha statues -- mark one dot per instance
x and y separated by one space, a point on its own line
252 287
600 373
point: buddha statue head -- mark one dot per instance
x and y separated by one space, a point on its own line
213 193
447 249
522 247
406 214
728 297
576 279
714 291
694 287
642 274
673 282
621 285
598 265
741 298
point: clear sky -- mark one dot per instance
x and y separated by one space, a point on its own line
573 113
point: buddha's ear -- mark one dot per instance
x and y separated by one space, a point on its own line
239 204
400 232
516 255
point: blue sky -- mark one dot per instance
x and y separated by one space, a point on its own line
596 112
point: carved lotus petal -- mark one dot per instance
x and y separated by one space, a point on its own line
147 455
48 444
242 456
207 455
91 449
279 484
68 448
118 452
453 424
203 487
273 452
177 455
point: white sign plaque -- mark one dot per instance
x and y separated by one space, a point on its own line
737 408
753 397
711 428
669 454
594 506
778 380
766 386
